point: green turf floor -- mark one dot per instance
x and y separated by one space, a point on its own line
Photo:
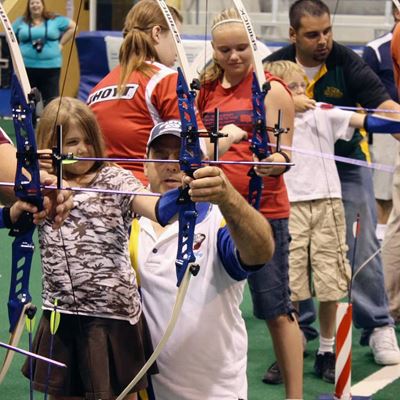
15 387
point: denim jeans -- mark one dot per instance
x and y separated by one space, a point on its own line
370 303
269 286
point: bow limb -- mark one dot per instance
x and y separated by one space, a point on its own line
13 342
167 334
15 52
182 59
256 55
27 188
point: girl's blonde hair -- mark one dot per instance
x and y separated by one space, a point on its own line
138 46
226 17
70 113
284 69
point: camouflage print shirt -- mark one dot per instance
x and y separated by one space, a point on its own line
86 265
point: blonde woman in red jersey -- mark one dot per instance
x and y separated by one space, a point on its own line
226 84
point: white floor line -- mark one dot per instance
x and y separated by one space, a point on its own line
377 381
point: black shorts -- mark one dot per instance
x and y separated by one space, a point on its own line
102 355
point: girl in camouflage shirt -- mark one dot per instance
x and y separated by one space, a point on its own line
103 336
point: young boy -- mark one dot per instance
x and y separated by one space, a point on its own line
317 222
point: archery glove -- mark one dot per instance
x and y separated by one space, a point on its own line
22 225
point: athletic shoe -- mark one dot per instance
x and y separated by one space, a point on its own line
383 343
273 375
324 366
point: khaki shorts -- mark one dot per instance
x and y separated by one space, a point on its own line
102 356
316 254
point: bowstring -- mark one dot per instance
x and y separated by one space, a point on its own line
342 254
59 184
335 10
205 41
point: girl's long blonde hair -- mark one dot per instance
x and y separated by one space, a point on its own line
138 46
70 113
213 71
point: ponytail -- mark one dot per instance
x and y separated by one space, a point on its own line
138 48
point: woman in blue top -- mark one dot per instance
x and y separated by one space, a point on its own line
42 35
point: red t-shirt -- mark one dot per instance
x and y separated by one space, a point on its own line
126 121
4 138
235 107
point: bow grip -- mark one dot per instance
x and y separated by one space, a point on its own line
22 253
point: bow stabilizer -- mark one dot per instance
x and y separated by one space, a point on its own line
397 4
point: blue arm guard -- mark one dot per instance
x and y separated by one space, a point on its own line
375 124
167 206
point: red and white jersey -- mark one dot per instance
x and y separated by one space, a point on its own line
126 120
4 138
